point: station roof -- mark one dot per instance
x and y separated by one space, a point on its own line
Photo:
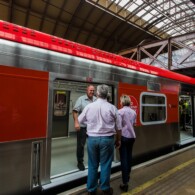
109 25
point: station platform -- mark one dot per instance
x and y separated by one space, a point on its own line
171 174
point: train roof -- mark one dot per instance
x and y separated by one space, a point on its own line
28 36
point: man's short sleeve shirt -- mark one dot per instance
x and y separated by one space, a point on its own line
82 102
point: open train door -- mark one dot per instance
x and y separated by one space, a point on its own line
186 117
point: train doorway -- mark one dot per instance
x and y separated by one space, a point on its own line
64 140
186 118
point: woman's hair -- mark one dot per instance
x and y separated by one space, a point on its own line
102 91
125 100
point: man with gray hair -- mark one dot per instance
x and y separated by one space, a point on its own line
103 123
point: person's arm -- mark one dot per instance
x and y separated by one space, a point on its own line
76 122
118 139
75 113
82 117
118 129
134 123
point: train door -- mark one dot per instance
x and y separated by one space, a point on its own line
60 113
64 137
186 117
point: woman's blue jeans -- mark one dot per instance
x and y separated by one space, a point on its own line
126 157
100 151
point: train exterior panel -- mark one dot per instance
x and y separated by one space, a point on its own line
157 131
23 116
39 70
23 112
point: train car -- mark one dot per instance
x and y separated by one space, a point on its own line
41 76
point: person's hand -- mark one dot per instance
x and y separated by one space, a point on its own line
117 144
77 126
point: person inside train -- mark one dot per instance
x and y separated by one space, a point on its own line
128 118
80 104
182 111
185 117
103 122
187 107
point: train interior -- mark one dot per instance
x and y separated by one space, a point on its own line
185 118
63 152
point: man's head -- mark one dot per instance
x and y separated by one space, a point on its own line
102 91
90 91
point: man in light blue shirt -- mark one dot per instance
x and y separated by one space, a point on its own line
81 128
103 122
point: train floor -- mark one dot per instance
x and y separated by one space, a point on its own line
171 174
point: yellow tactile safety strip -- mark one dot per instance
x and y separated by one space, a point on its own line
159 178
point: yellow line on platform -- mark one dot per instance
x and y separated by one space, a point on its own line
159 178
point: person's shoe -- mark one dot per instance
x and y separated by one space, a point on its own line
81 166
108 192
124 187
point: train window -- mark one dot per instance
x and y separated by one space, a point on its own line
153 86
152 108
60 103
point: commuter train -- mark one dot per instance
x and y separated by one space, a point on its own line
41 76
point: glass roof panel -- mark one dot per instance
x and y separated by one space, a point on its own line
164 18
139 2
123 3
172 10
154 12
160 24
132 7
148 16
142 12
